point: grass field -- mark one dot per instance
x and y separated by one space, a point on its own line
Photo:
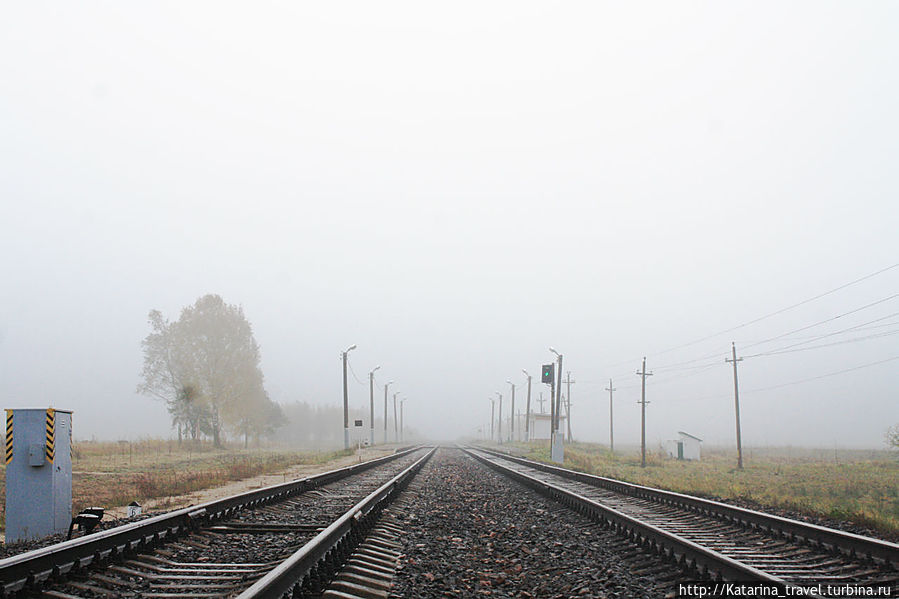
861 487
112 474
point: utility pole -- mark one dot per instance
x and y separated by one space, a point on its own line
512 419
346 404
527 411
735 359
371 390
611 429
396 427
643 403
568 402
385 411
541 401
500 423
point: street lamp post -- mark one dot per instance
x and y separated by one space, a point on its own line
527 411
371 391
396 426
346 405
499 433
492 414
385 410
512 419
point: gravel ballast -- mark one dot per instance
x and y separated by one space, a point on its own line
470 532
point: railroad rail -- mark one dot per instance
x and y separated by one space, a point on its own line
710 538
295 529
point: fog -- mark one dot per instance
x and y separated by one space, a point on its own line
455 189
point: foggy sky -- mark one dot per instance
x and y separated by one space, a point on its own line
455 189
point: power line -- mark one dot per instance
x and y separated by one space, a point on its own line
858 327
831 319
354 373
758 390
682 367
766 316
823 376
833 343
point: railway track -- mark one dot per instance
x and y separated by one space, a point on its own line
714 540
325 536
263 543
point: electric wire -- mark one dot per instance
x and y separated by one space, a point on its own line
822 376
831 319
833 343
766 316
348 363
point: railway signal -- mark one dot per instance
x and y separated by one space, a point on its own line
548 374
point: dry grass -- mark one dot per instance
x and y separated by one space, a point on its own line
111 474
861 487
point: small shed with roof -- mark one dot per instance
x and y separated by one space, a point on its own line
687 447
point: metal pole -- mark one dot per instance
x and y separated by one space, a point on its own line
512 415
385 411
552 409
346 409
396 430
371 390
492 415
500 429
559 394
611 428
512 419
346 405
737 404
527 412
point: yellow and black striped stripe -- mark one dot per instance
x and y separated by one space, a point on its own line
8 436
51 434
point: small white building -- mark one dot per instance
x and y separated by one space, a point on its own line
539 426
687 447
